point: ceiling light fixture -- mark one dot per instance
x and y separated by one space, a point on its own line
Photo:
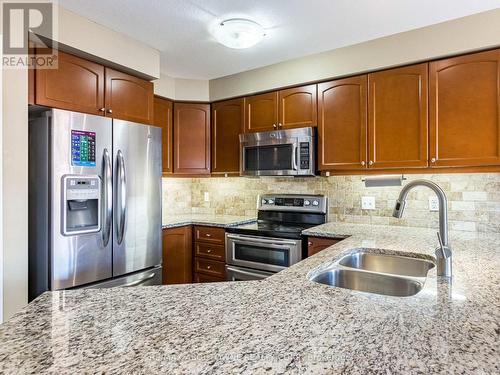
238 33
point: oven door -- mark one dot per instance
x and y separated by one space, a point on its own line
262 253
270 158
245 274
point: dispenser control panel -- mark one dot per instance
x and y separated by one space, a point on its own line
81 204
83 148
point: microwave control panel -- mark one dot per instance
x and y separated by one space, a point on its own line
305 155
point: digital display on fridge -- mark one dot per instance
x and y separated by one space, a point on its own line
82 148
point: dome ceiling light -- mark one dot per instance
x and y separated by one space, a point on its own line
239 33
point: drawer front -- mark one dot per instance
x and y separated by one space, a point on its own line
202 278
210 267
209 251
209 234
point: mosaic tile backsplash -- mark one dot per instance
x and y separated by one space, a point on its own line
473 199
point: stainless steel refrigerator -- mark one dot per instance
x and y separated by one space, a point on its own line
94 202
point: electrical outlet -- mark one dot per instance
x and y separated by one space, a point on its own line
206 196
368 203
433 204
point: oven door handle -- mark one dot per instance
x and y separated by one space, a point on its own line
260 240
247 273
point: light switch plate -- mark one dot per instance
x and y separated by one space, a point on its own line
206 196
367 203
433 204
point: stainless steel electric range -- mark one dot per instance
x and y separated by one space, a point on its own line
256 251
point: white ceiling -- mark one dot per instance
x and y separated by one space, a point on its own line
294 28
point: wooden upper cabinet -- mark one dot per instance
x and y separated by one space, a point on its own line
298 107
163 118
342 124
261 112
398 117
464 110
191 138
76 85
177 267
128 97
227 124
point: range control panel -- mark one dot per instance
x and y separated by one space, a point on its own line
292 202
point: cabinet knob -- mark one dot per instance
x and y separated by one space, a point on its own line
370 162
309 243
110 111
209 251
208 267
363 163
102 109
208 235
280 125
433 160
274 126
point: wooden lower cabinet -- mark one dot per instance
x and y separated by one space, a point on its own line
317 244
177 255
202 278
210 255
210 267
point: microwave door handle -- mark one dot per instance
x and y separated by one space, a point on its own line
108 202
294 157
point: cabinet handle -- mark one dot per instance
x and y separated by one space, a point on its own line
370 162
274 126
433 160
110 111
102 109
363 163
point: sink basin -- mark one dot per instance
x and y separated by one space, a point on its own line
384 263
374 272
369 282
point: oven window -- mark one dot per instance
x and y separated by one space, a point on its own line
268 158
257 254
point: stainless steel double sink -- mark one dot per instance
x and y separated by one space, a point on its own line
370 271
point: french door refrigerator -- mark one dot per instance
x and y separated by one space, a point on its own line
94 202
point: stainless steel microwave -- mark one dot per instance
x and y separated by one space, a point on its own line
288 152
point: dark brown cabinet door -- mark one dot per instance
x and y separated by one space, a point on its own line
128 97
317 244
163 118
177 265
298 107
464 110
398 117
261 112
191 138
342 124
227 125
76 85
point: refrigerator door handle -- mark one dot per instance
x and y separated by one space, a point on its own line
121 197
108 202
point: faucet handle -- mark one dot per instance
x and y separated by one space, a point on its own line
441 245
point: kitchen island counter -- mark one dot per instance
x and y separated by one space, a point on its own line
283 324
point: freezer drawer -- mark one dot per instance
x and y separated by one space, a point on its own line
148 277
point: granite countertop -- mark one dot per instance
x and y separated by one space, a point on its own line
173 220
283 324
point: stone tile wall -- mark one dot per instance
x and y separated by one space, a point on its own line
473 199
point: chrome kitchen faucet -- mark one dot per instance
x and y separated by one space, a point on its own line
443 252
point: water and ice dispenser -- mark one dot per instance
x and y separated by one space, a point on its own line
81 204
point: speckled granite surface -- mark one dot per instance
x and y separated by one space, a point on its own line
172 221
284 324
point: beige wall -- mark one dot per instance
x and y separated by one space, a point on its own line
461 35
182 89
473 199
92 39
